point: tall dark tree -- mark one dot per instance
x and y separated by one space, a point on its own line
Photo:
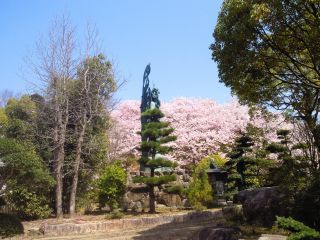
268 53
156 133
241 166
25 181
290 170
92 92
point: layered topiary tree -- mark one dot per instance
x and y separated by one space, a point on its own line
156 133
240 165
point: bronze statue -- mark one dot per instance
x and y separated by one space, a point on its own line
149 99
148 96
146 93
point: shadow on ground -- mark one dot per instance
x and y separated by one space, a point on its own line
175 231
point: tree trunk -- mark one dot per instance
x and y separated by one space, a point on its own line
152 197
152 200
58 159
59 183
72 204
314 129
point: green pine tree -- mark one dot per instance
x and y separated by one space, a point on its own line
241 167
156 133
291 169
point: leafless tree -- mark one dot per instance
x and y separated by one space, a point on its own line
55 66
95 85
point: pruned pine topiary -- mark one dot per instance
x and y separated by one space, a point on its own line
156 134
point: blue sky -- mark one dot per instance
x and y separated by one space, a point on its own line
174 35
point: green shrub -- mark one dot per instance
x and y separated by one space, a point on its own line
298 229
175 189
307 204
116 214
219 161
112 185
28 205
10 225
199 192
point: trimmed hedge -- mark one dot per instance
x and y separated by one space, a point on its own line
10 225
298 229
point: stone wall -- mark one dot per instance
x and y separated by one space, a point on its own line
137 200
119 224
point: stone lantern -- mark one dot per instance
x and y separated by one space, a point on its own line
217 178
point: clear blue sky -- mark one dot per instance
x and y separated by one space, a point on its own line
174 35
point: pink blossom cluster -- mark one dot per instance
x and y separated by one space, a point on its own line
201 126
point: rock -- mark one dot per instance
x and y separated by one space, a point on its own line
179 172
137 207
170 200
219 234
186 178
161 206
272 237
221 202
186 203
131 196
233 212
262 205
138 188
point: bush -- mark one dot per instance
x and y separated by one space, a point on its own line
307 205
298 229
199 192
10 225
116 214
219 161
112 185
28 205
175 189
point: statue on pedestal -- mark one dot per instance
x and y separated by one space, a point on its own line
149 99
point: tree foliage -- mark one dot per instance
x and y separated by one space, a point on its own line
10 226
25 179
240 164
91 92
157 134
298 230
268 53
111 185
271 45
201 126
200 192
249 163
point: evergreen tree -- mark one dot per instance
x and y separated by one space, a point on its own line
156 133
241 166
291 169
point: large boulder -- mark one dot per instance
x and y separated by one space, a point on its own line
219 234
170 200
136 198
233 212
262 205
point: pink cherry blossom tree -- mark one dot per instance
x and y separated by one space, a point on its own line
201 126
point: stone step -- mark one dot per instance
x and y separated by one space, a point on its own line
272 237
